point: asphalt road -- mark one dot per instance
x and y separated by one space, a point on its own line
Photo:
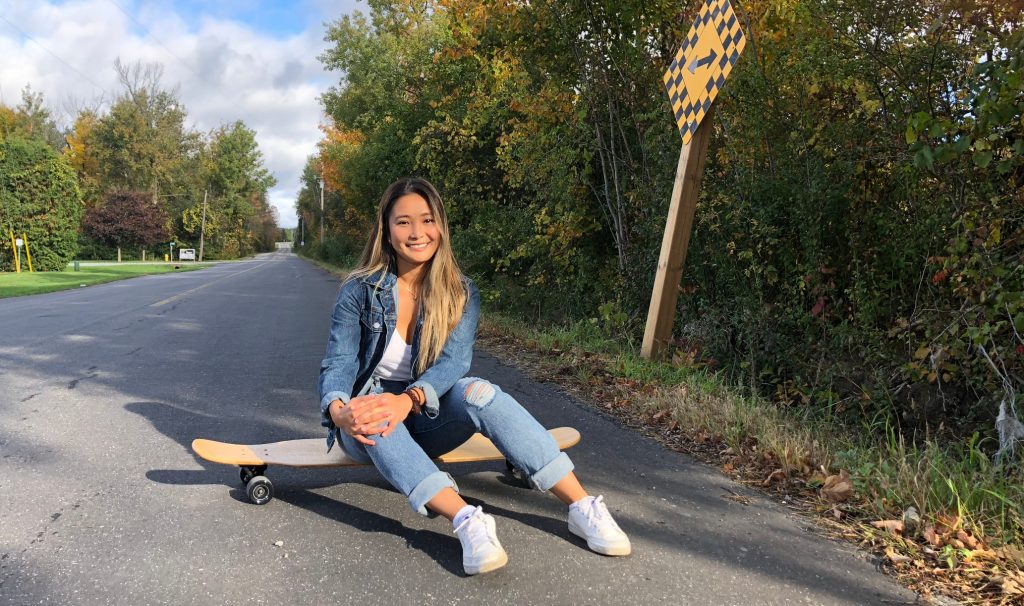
102 390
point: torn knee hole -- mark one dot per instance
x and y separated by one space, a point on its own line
479 393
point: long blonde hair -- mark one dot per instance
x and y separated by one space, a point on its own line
442 293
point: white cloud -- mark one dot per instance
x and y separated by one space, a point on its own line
224 70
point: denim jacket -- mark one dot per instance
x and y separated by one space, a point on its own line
365 316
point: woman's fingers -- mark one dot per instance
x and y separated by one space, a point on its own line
392 424
363 439
373 419
372 415
374 426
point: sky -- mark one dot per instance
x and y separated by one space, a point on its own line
253 60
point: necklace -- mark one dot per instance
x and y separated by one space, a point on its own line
415 294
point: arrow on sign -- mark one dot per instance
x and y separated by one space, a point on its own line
705 61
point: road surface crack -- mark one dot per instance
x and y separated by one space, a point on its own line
92 375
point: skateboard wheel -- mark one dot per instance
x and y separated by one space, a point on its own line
517 475
260 490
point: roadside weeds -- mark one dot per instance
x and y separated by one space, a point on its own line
942 519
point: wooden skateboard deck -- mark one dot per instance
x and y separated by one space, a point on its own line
312 452
253 459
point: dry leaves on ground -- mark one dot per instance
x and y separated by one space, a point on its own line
1012 584
837 489
893 526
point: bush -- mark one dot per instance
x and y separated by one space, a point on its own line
39 197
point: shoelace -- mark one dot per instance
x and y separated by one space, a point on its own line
477 532
597 513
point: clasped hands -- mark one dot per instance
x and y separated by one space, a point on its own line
370 414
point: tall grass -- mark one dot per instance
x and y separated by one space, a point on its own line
890 473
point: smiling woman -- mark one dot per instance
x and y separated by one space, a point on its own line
393 388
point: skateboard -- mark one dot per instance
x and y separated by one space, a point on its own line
253 459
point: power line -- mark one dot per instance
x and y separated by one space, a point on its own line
55 55
150 35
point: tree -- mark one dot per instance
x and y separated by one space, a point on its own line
31 120
37 122
238 184
141 143
40 198
81 154
127 218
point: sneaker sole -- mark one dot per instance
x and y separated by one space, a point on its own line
608 550
484 567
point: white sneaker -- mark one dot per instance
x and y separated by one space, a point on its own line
589 519
481 551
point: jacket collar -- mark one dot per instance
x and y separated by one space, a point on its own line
386 278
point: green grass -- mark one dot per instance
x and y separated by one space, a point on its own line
25 283
891 473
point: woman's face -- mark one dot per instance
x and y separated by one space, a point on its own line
413 231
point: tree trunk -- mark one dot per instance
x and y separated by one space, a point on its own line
118 254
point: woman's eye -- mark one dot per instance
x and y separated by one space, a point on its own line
429 221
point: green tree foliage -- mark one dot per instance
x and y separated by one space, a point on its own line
859 233
38 123
344 224
31 120
127 218
39 197
142 144
237 184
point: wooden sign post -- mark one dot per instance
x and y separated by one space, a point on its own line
693 80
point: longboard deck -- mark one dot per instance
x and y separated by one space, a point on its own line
312 452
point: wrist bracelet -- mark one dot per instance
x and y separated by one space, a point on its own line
416 396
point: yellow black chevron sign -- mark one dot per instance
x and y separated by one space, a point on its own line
703 62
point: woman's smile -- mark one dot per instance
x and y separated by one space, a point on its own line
413 231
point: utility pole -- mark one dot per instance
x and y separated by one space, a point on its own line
202 228
321 211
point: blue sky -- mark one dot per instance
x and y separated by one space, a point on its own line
276 18
230 60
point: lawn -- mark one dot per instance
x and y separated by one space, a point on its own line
25 283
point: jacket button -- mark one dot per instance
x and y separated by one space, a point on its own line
376 324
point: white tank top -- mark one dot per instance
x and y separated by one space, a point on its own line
396 365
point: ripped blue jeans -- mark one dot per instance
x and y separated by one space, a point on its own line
472 405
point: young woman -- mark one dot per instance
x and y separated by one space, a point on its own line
393 389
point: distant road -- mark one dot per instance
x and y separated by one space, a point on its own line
102 389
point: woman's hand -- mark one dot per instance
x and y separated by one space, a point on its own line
371 414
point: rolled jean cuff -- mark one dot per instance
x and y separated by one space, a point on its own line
428 489
552 473
432 406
